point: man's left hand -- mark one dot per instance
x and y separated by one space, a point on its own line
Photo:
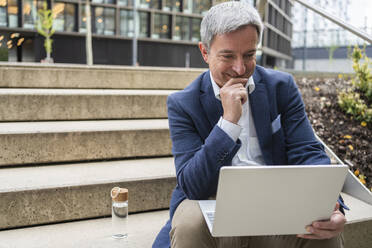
326 229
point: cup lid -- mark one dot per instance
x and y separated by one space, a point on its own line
119 194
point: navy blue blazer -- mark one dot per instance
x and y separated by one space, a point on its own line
201 148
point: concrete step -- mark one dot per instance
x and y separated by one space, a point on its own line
47 142
36 75
142 230
358 230
81 104
49 194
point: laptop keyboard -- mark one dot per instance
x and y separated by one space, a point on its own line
210 216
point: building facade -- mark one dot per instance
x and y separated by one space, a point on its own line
321 45
276 45
167 31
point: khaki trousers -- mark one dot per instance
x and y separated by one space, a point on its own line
189 230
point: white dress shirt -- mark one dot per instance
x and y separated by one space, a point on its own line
250 152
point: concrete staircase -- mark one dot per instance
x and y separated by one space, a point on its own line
68 134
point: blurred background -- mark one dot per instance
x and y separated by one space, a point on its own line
166 32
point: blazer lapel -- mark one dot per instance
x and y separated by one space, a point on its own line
210 104
259 104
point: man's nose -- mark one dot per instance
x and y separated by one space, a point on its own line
239 66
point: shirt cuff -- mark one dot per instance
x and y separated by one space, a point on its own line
230 128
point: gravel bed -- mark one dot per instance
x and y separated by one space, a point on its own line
348 138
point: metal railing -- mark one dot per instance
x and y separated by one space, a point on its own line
324 37
358 32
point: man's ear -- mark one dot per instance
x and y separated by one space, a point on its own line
204 52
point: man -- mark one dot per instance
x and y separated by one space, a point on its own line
236 113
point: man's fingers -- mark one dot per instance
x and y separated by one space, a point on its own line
307 236
238 91
325 229
244 96
326 225
233 81
318 233
337 207
233 95
336 222
311 236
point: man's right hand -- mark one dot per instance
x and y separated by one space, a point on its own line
233 95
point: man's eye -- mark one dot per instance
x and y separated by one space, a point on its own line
227 56
249 55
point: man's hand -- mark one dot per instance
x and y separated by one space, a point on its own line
233 96
326 229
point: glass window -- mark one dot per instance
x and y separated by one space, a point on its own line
70 10
161 26
143 24
30 8
104 20
58 15
12 13
99 20
147 4
195 29
187 6
83 20
64 16
288 9
196 6
109 21
3 20
104 1
182 28
125 2
126 23
172 5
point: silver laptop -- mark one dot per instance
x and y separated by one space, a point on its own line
272 200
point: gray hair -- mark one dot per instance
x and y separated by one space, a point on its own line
227 17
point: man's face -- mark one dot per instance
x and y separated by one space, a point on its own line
232 55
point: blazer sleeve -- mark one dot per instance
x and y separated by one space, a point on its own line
301 144
197 161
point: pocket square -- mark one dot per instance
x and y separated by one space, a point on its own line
275 125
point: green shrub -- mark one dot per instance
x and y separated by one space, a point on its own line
356 100
363 79
351 103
